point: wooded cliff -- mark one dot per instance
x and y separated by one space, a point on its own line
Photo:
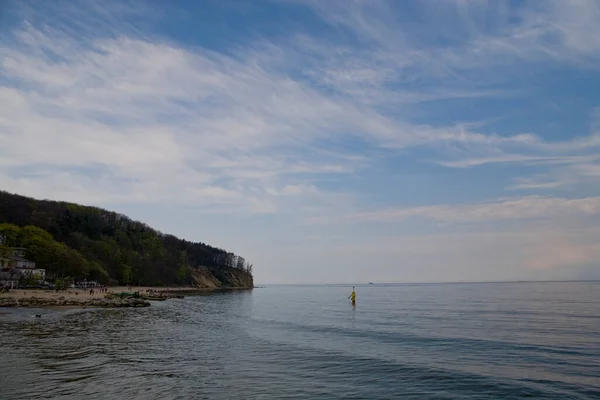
75 241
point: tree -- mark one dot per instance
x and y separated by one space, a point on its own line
5 251
249 268
10 233
231 260
79 241
27 280
240 262
182 272
126 274
97 273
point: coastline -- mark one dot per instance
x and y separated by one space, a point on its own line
84 298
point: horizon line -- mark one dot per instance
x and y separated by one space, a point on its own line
427 283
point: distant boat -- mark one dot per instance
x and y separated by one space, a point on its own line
370 283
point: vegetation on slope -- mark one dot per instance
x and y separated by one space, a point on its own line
88 242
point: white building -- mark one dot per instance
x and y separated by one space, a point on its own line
21 262
35 274
4 260
15 267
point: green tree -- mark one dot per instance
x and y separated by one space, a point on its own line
10 233
79 241
5 251
182 272
126 274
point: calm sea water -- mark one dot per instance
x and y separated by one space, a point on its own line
450 341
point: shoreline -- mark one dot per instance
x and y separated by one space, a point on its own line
84 298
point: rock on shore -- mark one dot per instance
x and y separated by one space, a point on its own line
61 301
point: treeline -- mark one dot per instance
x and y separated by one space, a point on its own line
89 242
49 254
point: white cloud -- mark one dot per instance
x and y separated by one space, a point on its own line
154 113
510 209
180 124
569 176
390 51
97 110
491 42
574 164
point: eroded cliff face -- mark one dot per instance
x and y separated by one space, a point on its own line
205 278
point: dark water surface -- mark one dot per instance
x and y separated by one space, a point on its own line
451 341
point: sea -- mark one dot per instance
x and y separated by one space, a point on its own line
405 341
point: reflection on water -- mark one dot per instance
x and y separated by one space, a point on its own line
538 340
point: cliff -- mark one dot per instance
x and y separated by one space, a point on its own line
203 278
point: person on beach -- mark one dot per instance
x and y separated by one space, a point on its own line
352 296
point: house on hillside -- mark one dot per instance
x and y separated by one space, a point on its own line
4 258
18 259
9 278
15 267
85 284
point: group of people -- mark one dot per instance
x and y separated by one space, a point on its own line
101 290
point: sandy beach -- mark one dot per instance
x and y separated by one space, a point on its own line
82 294
84 298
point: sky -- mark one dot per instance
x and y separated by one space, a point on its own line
325 141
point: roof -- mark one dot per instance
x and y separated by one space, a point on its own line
19 258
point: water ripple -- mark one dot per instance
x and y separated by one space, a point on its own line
409 341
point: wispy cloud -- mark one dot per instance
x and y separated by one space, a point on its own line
101 105
390 61
568 176
152 111
175 124
477 30
511 209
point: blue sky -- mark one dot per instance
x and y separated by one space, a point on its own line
325 141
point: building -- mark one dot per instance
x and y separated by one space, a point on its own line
26 267
9 278
16 267
4 258
85 284
36 274
20 262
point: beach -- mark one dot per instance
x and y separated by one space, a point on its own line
85 294
75 297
